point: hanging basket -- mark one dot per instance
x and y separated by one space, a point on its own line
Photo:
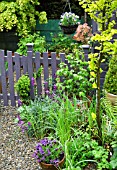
68 29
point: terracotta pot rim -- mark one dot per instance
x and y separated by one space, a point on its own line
53 164
111 94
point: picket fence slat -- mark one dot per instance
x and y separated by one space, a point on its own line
30 72
39 80
17 66
11 78
3 78
53 64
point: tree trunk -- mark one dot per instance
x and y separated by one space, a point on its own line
98 115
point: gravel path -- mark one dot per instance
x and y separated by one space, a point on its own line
16 149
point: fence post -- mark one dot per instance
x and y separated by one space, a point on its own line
29 46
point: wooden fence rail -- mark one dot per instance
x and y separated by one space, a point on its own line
18 65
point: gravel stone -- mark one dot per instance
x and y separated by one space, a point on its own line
16 149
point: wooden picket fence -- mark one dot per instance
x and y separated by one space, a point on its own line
19 65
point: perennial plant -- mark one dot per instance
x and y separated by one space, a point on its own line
69 18
49 151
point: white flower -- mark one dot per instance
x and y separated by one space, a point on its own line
69 18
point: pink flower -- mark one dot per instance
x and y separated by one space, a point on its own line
83 33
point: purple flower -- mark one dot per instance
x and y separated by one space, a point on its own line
55 87
56 149
20 123
18 117
47 91
43 158
55 161
54 141
19 102
39 160
49 153
33 81
44 141
34 155
29 124
24 128
45 82
41 150
55 76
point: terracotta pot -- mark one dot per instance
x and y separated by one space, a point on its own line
112 98
45 166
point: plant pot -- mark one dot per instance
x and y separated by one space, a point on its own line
45 166
68 29
112 98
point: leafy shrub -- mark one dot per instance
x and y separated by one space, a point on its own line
22 86
62 43
35 38
110 83
74 75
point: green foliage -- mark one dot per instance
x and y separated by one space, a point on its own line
66 118
109 121
39 113
38 72
100 11
110 84
75 76
82 150
35 38
21 15
113 162
104 9
62 43
22 86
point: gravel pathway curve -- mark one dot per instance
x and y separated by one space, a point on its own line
16 149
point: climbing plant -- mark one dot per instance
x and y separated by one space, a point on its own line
21 15
100 11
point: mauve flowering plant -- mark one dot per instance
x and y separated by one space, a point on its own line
69 18
49 151
83 33
23 126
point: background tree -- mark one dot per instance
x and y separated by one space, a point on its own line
101 12
21 15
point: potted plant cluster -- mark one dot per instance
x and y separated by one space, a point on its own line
110 83
49 154
69 22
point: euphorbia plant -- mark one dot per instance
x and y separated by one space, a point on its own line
100 11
